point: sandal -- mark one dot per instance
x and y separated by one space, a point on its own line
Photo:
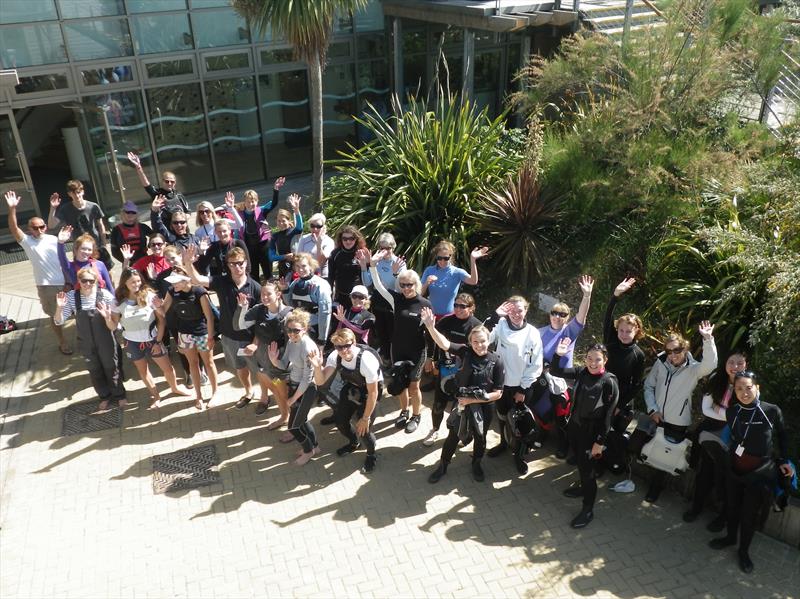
243 401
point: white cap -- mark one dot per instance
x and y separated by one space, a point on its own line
360 289
176 278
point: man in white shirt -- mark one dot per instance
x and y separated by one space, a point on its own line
42 251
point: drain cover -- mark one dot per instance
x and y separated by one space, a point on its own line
84 418
185 469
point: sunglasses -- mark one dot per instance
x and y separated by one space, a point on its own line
348 238
179 222
557 313
87 281
406 285
204 211
438 258
156 244
236 263
316 226
462 306
131 212
343 347
674 351
169 180
294 331
38 227
358 296
385 249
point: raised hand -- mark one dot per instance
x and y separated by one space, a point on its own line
158 203
272 350
427 317
243 300
563 346
706 329
398 264
64 234
126 251
61 299
624 287
55 200
586 283
151 272
479 252
12 199
205 243
362 255
294 202
502 309
156 302
189 255
135 160
279 182
379 255
103 309
339 314
230 199
315 358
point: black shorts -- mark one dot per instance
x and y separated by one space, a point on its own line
419 362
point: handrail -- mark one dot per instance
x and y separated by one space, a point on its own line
654 8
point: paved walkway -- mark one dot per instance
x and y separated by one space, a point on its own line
79 517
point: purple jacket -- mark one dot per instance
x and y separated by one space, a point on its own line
260 218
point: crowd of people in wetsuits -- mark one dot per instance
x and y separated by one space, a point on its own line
296 312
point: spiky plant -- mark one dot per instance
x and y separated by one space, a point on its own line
517 218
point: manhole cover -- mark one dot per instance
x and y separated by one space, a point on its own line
185 469
84 418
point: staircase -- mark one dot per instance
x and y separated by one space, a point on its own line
607 17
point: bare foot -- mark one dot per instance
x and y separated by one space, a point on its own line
181 392
212 401
304 458
103 406
155 403
122 403
276 425
199 404
287 437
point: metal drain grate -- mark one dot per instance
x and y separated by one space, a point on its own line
84 418
185 469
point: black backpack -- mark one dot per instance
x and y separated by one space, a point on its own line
188 310
354 376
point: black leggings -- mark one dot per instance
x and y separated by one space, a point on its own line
581 438
478 441
440 401
710 476
259 259
299 425
383 329
747 496
344 412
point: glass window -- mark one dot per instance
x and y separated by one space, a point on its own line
339 50
98 39
487 80
227 61
210 3
42 83
373 88
161 33
371 45
415 75
342 23
25 11
277 56
169 68
107 75
414 40
178 121
214 28
285 122
370 18
73 9
338 108
128 127
137 6
235 137
30 45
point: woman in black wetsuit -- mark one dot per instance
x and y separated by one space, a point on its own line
344 271
481 372
757 433
408 338
594 400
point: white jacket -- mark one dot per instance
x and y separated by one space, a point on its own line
521 352
668 389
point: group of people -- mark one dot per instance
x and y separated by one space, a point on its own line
329 307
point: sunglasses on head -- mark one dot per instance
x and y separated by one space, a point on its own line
294 331
440 258
557 313
343 347
406 285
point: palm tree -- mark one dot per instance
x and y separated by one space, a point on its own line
307 25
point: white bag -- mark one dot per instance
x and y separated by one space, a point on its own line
663 454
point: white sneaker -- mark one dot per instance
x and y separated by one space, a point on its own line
432 437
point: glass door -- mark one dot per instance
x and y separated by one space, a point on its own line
14 175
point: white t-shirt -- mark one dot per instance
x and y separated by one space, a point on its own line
370 368
43 255
136 319
308 245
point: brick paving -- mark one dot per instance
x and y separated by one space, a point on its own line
79 516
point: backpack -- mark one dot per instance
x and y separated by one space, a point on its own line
354 376
187 310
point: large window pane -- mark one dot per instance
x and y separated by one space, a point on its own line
169 68
25 11
214 28
126 121
371 45
486 82
30 45
107 75
285 122
176 113
210 3
338 107
42 83
235 138
73 9
373 88
136 6
370 18
161 33
98 39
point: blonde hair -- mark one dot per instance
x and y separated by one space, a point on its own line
518 299
446 246
285 214
561 307
343 335
676 338
208 206
478 329
250 194
312 262
410 276
300 317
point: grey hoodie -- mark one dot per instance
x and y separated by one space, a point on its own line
668 389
